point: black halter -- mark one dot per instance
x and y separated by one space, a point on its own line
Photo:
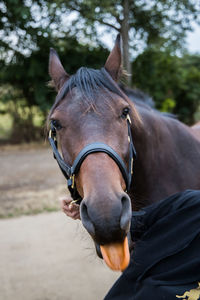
70 171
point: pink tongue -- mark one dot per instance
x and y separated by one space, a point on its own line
116 256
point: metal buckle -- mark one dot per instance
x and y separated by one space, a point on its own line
128 119
74 201
50 133
132 166
73 181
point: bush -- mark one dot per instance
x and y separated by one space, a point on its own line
165 76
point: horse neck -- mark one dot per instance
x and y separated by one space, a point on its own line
168 159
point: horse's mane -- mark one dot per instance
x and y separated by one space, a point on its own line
143 100
138 97
90 82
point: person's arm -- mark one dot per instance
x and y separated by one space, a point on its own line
70 209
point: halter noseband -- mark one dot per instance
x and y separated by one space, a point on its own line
70 171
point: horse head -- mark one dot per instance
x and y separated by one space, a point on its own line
90 109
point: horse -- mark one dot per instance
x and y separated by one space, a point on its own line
138 96
196 129
91 111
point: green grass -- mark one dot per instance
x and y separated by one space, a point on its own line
6 119
197 115
34 211
5 126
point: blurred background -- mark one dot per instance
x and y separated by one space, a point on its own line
44 255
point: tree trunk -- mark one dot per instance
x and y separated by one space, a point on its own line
125 39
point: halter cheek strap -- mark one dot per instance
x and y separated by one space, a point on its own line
70 171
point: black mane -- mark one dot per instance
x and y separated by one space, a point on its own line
138 97
89 82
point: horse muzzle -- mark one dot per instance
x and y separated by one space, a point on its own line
109 229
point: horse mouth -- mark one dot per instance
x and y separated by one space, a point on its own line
115 255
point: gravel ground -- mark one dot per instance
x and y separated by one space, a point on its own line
30 181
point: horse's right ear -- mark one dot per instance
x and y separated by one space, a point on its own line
56 70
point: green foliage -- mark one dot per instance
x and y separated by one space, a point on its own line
24 61
168 105
174 82
162 22
5 122
29 74
30 27
28 78
142 23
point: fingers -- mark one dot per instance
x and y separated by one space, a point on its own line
65 200
74 215
70 209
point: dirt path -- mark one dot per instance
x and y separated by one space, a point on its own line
30 181
50 257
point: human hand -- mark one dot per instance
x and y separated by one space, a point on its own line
69 208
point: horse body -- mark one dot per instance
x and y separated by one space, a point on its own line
168 158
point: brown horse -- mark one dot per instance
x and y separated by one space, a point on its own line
196 130
90 107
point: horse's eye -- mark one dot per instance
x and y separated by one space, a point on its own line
125 112
56 124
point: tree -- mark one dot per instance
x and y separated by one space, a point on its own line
172 81
24 60
23 24
163 22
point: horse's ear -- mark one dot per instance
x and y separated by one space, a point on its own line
114 61
56 70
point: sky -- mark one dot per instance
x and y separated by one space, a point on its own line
193 40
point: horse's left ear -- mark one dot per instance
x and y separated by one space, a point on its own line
114 61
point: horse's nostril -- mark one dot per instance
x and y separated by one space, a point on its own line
126 213
87 223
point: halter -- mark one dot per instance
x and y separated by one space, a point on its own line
70 171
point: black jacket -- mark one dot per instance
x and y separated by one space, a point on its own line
165 263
